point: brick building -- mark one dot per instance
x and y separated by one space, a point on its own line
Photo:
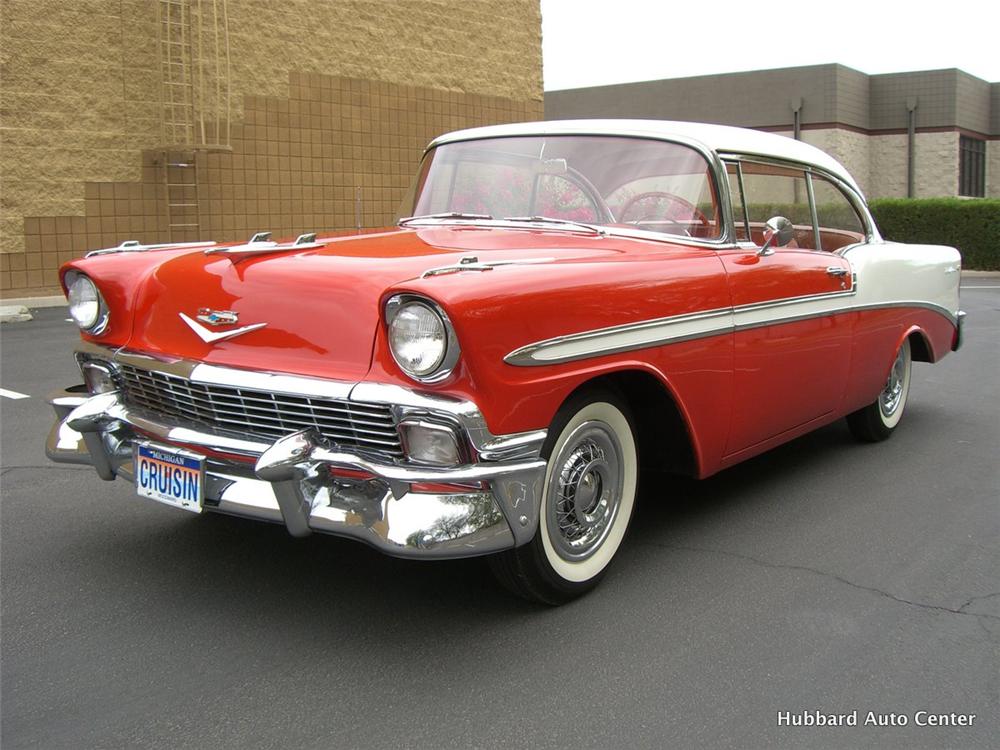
178 120
930 133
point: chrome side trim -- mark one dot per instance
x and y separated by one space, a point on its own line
645 334
679 328
953 317
623 338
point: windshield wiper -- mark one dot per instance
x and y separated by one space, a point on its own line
565 222
445 215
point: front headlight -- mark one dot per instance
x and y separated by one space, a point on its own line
86 306
421 338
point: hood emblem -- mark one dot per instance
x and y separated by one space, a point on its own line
210 337
217 317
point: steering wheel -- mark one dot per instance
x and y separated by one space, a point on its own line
677 209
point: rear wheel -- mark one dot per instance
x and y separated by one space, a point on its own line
586 506
877 421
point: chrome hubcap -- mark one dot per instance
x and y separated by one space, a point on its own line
584 491
892 394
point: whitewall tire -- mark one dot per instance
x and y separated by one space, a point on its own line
879 419
587 502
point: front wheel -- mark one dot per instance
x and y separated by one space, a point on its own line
877 421
586 505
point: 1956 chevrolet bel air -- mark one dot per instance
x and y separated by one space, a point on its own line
563 304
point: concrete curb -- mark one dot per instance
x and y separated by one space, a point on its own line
14 314
56 300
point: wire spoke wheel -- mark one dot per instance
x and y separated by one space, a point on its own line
585 491
879 419
587 500
892 395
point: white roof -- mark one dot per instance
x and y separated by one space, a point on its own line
719 138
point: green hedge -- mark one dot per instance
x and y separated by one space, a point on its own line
973 226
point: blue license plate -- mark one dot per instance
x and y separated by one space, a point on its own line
170 475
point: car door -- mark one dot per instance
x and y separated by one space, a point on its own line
792 339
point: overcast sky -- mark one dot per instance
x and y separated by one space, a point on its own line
596 42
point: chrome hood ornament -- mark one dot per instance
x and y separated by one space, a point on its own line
217 318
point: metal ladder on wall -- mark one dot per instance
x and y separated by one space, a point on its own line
178 165
180 185
196 98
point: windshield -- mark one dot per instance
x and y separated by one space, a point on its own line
603 181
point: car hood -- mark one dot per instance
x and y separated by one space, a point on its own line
320 307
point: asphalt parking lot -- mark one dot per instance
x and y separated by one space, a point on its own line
825 575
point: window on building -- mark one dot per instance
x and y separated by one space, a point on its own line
971 167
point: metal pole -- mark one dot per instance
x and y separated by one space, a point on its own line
797 118
911 138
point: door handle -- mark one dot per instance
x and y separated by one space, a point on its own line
836 271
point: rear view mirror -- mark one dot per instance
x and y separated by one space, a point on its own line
778 232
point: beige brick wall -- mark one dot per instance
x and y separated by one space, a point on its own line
346 91
993 169
936 165
887 173
851 149
936 161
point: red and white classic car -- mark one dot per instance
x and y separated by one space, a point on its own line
564 304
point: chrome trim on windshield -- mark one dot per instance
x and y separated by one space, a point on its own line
716 169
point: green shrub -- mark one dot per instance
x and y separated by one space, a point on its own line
973 226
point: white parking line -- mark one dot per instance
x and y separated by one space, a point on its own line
12 394
979 286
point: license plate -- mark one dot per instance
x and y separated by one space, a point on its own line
170 475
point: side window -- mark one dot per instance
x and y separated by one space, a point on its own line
778 191
736 198
839 222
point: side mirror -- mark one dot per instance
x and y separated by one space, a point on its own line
778 232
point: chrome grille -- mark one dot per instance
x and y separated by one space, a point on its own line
250 412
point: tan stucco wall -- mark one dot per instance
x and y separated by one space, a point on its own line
79 103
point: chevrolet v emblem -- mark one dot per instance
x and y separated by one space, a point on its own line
210 337
217 317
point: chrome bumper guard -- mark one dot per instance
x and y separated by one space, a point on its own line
957 344
291 482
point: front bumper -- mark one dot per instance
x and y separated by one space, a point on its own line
299 481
